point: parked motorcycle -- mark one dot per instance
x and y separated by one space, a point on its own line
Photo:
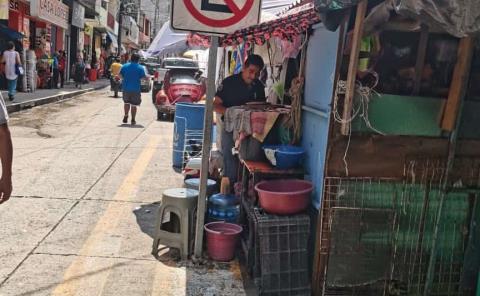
116 85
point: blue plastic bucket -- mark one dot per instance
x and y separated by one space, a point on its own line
187 117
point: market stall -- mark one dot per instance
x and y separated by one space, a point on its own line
270 194
401 152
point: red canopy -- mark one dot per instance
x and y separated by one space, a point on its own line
286 28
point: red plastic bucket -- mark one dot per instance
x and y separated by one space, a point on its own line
92 75
222 239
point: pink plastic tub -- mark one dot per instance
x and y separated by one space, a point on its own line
284 197
222 239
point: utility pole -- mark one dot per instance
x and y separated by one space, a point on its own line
155 22
120 23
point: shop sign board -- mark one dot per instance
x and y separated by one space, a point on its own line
52 11
17 6
88 30
13 5
214 16
4 5
78 15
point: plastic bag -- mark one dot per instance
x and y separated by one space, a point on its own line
324 5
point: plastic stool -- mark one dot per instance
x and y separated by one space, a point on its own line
181 202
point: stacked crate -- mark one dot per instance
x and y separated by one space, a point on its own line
281 254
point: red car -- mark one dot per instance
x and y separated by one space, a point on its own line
180 85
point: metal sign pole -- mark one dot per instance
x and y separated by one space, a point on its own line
207 142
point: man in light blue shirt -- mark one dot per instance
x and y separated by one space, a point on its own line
131 74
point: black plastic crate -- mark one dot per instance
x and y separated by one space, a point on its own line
248 238
281 253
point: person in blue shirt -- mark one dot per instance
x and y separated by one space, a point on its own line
131 74
56 71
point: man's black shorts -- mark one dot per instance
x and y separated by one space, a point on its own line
132 98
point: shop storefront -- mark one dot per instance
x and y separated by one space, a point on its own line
49 21
87 42
19 21
76 32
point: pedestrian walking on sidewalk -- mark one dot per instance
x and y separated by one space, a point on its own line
11 59
62 64
115 82
131 74
56 71
79 72
6 153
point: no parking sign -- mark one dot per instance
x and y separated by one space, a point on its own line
214 16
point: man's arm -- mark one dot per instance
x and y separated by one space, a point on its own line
218 105
6 153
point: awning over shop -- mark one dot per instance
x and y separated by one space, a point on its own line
6 31
100 29
113 39
457 17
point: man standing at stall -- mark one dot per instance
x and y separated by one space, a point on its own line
238 90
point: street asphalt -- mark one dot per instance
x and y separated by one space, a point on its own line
86 192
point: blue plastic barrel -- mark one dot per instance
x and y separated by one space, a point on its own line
187 117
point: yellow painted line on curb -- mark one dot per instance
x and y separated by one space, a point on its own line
107 222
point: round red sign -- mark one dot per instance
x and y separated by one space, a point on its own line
238 14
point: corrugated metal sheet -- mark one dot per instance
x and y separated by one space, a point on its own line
320 70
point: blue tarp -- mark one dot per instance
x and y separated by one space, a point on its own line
113 39
4 30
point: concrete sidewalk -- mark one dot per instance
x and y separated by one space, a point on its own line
25 100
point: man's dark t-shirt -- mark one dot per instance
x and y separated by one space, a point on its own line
235 92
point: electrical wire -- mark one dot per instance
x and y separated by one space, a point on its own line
364 95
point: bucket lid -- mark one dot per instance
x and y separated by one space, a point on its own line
181 193
195 182
224 199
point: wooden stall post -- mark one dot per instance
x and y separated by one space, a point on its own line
207 142
459 83
422 52
353 65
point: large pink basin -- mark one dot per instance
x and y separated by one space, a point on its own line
284 197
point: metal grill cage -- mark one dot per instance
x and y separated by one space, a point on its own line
377 236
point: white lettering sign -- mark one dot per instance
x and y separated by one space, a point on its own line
52 11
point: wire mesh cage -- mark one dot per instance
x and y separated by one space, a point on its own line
357 225
281 254
378 235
